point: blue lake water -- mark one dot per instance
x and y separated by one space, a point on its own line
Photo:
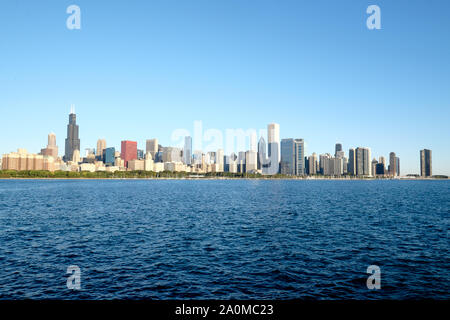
233 239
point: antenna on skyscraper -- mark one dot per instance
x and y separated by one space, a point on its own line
72 109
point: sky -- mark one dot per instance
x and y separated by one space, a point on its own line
142 69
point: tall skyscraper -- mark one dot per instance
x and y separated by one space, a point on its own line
292 157
425 163
101 145
299 146
152 147
262 155
363 162
287 157
392 164
273 135
52 148
72 140
187 152
351 161
128 151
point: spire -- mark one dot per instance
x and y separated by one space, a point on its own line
72 109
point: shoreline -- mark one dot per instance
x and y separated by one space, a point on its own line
231 178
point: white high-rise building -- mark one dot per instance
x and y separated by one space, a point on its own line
274 153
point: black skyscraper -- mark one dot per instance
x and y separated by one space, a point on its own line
72 141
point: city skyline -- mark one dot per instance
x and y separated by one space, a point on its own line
319 72
285 155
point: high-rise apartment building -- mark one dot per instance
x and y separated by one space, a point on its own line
351 161
299 146
22 160
313 164
128 151
72 140
392 164
425 163
323 163
363 162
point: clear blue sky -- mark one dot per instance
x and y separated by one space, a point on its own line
141 69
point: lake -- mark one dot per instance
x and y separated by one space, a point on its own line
224 239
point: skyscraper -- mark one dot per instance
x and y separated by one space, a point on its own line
72 140
425 163
262 155
324 163
128 151
299 147
374 166
273 135
397 162
152 147
101 145
337 148
312 162
109 156
187 152
363 162
292 157
251 161
52 148
351 161
287 157
392 164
